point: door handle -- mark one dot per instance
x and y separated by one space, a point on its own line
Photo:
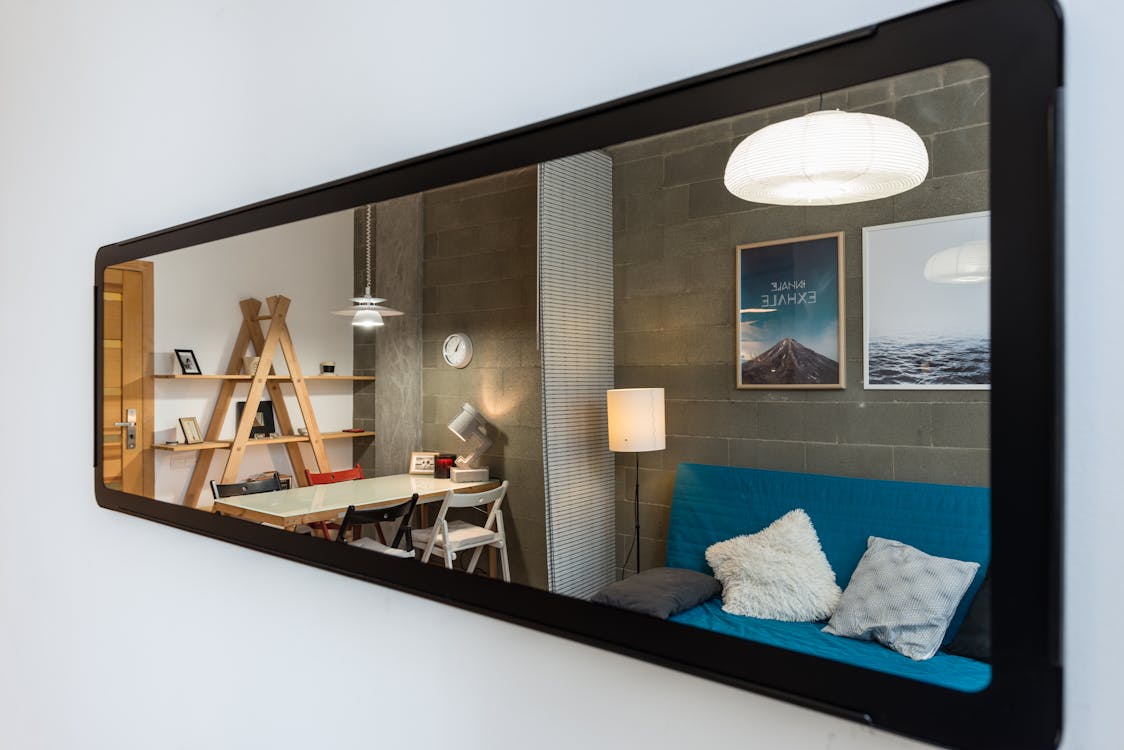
131 429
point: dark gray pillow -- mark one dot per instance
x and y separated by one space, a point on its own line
660 592
974 637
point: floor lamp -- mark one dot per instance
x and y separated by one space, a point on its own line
636 424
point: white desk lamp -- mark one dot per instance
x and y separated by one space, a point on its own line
472 429
636 423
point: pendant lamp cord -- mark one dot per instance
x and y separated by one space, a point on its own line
368 245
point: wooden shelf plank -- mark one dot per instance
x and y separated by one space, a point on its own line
248 378
339 377
278 440
225 444
217 377
193 446
338 435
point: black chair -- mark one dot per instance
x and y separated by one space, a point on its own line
403 511
245 488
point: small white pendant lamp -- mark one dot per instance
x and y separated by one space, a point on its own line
969 263
367 313
827 158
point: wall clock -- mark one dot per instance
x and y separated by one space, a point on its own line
457 350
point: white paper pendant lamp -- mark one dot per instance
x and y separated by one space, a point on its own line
969 263
827 158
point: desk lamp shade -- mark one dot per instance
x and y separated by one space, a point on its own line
472 428
636 422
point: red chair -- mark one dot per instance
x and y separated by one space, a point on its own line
331 477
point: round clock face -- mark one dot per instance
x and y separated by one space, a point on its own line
457 350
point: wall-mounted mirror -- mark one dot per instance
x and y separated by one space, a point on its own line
729 376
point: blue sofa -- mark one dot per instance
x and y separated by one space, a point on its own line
713 503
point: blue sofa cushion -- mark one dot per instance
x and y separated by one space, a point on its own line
945 670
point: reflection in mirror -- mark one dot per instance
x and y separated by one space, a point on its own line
854 404
809 468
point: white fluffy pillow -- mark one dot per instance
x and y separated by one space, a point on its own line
779 573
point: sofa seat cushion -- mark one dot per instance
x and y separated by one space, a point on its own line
946 670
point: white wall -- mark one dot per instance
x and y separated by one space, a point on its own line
131 116
197 291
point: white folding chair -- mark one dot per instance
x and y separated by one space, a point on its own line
450 537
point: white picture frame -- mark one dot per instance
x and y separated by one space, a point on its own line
923 329
422 463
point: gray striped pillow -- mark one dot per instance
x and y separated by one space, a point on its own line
902 598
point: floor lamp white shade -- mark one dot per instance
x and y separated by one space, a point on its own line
636 425
636 420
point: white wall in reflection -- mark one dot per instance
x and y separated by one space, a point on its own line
197 291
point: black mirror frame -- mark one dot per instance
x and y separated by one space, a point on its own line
1020 42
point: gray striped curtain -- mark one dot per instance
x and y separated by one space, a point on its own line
575 247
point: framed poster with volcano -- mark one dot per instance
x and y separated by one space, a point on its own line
789 313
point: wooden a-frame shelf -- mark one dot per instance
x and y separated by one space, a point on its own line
265 345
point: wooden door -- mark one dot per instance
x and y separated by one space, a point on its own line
128 384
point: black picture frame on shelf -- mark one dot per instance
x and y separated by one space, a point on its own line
1020 43
263 424
189 363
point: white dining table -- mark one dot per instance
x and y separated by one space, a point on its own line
325 502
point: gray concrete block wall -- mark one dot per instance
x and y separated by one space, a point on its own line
479 277
675 229
398 271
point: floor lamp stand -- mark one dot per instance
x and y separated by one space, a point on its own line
636 510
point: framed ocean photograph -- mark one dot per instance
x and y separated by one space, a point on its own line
789 311
926 298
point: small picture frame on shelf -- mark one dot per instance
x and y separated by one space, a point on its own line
188 363
191 432
263 425
422 462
